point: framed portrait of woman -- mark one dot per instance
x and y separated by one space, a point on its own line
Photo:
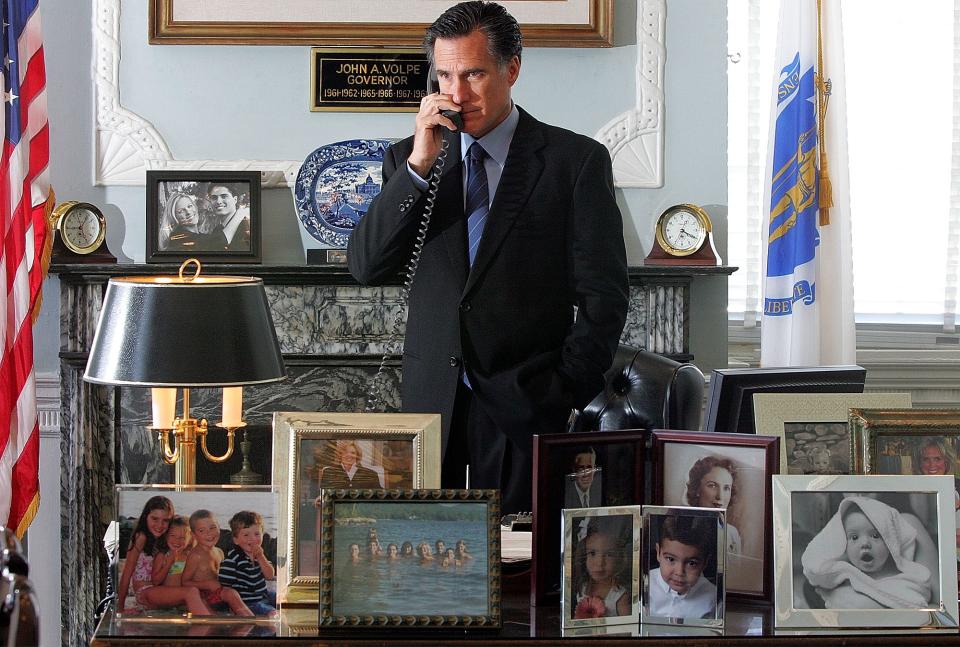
730 472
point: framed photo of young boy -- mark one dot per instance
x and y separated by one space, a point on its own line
601 566
813 430
684 563
213 216
578 470
436 563
197 553
730 472
860 548
317 450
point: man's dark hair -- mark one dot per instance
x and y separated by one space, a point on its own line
504 40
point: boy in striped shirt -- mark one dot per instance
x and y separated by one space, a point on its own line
245 568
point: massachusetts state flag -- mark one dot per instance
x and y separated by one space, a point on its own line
808 260
25 204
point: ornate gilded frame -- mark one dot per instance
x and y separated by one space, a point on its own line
492 619
290 429
867 425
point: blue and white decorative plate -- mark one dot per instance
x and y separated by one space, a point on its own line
335 186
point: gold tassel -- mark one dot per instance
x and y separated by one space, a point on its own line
45 254
825 186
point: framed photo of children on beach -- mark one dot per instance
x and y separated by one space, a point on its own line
578 470
430 558
213 216
813 430
201 553
601 568
684 565
316 450
861 548
730 472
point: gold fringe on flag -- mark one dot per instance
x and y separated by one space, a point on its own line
825 186
47 250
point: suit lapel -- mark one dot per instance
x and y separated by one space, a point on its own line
449 211
520 175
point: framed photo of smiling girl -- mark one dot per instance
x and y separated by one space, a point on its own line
210 215
729 472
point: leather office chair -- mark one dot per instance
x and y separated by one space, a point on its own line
645 390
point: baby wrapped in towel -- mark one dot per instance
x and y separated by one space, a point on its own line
867 549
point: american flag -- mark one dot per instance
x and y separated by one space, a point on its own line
25 204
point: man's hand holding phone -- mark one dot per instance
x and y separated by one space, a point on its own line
437 112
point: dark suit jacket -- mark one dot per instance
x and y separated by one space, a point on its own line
335 477
571 497
553 241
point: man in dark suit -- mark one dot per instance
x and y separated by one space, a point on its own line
521 293
233 221
348 472
583 487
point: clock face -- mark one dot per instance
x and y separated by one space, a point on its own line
683 230
82 229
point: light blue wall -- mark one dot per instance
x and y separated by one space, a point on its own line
246 102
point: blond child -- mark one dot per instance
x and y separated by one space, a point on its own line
203 563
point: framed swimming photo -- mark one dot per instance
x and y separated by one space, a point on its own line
601 566
864 551
318 450
813 430
684 566
430 558
213 216
196 553
578 470
730 472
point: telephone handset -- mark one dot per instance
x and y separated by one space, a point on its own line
374 393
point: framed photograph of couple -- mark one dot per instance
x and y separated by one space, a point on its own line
684 565
431 558
213 216
814 434
724 471
865 551
315 452
181 549
601 566
578 470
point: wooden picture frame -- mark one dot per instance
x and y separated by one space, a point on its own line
619 454
810 526
399 449
689 454
572 23
213 216
818 415
410 592
616 532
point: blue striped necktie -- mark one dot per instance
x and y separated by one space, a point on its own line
477 205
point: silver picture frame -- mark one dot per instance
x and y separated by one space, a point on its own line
711 520
622 526
814 589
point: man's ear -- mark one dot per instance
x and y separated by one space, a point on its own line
513 70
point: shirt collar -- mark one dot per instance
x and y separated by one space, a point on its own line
496 142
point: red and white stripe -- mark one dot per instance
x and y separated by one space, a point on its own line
24 194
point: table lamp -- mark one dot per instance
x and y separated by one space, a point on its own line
181 332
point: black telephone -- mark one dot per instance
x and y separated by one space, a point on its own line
433 185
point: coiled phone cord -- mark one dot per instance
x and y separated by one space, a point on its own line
375 392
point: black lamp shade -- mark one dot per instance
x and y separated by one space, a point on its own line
171 331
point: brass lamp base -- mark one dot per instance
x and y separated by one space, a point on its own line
246 475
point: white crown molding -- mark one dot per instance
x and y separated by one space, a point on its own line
48 404
126 145
635 138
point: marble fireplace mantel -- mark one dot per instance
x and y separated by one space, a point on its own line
332 333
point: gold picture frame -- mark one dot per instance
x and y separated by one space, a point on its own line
545 23
774 413
875 430
393 449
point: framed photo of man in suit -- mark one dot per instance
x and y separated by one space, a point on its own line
321 452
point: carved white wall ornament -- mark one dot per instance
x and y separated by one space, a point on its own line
635 138
126 144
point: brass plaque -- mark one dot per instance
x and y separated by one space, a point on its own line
367 80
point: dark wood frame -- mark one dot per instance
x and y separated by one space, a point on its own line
163 30
491 498
771 447
546 546
153 215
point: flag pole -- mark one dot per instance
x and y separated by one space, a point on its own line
825 187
